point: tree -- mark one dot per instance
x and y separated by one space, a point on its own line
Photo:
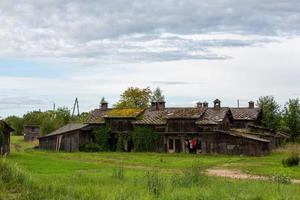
291 118
157 95
270 111
16 123
134 97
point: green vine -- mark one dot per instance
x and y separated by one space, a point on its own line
1 134
144 139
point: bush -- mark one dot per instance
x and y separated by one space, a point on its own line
293 160
155 183
120 143
144 139
118 173
90 147
189 178
11 174
102 136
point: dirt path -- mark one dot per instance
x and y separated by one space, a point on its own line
236 174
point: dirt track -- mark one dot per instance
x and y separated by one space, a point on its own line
236 174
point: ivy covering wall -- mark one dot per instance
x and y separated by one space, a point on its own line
1 134
144 139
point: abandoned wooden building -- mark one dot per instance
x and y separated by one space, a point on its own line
199 129
31 132
66 138
5 131
244 116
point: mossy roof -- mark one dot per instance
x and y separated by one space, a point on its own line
123 113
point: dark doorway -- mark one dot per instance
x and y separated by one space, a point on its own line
177 146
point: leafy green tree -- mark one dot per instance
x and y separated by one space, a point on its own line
270 111
134 97
291 118
157 95
16 123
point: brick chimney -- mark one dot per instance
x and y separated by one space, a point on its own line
158 105
205 104
251 104
103 104
217 104
199 104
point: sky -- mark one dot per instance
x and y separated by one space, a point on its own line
53 51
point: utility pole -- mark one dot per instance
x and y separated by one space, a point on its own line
76 105
238 103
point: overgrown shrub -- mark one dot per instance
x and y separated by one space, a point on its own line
144 139
293 160
190 177
90 147
102 136
11 174
155 183
120 144
118 173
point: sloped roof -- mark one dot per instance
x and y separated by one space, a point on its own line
67 128
244 135
245 113
96 116
186 113
123 113
153 118
161 117
213 116
5 125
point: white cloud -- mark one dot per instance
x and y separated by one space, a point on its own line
93 32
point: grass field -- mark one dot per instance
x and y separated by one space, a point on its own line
35 174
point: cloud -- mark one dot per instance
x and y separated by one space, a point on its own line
91 32
12 102
174 83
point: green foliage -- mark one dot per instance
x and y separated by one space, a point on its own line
48 120
90 147
281 179
189 178
293 160
16 123
118 173
271 112
1 137
144 139
291 118
134 97
102 136
120 144
11 174
155 183
157 95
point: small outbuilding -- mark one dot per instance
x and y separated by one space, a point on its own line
31 132
5 131
67 138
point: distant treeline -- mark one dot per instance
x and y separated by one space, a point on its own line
48 120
